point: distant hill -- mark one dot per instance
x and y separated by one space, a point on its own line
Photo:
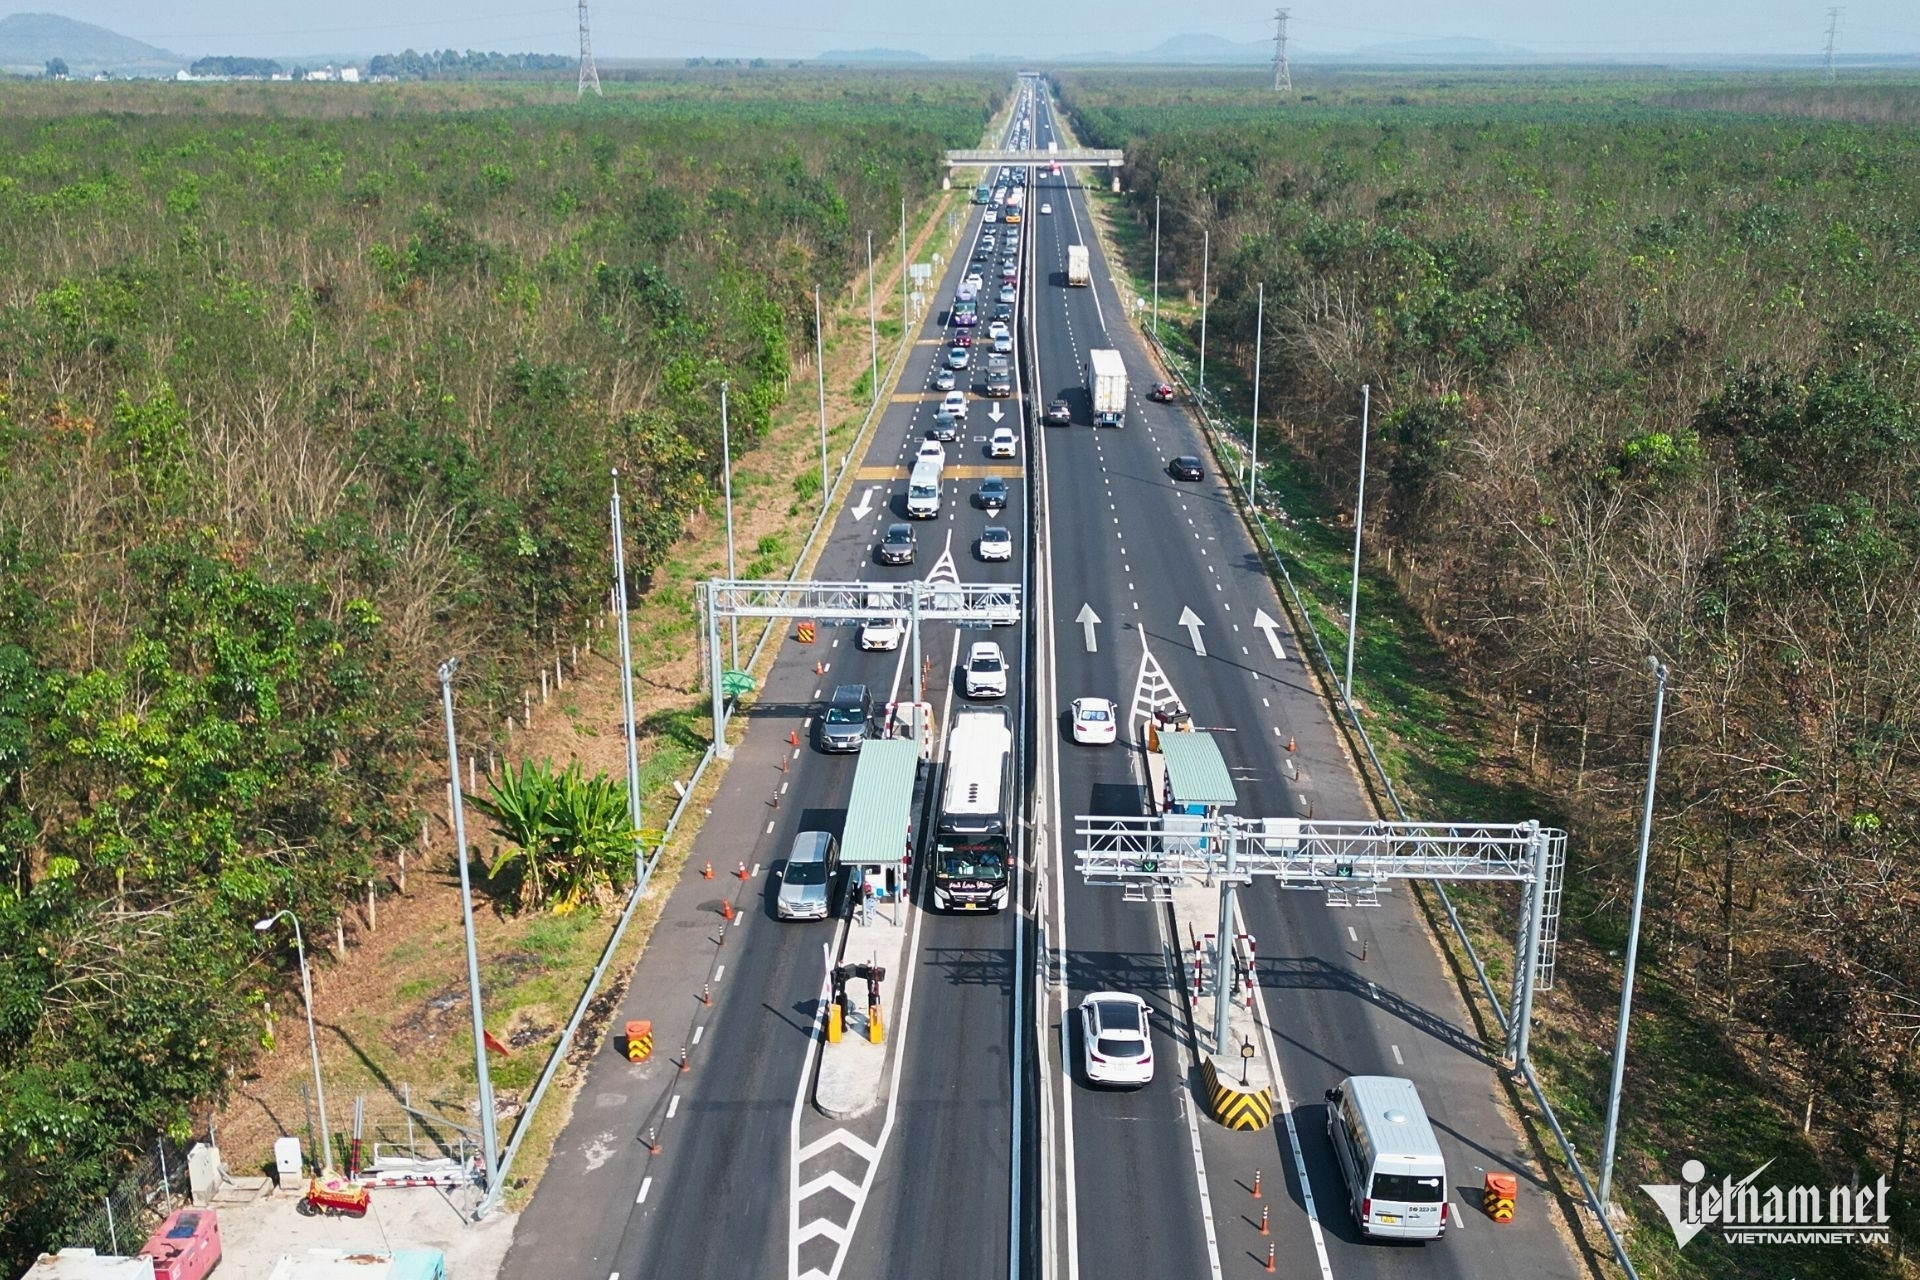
29 40
1447 49
872 55
1196 46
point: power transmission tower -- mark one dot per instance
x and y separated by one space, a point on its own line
1833 26
589 74
1282 73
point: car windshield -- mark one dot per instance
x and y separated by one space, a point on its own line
898 539
806 873
993 484
985 662
843 715
994 534
1405 1188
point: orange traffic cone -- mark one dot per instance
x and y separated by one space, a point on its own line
706 872
726 909
793 737
742 871
1289 744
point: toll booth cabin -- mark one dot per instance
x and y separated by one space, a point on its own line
85 1264
876 845
1188 782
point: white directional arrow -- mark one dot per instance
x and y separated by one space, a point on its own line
1261 622
995 413
1191 621
866 502
1088 620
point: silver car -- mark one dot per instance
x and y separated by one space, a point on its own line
806 882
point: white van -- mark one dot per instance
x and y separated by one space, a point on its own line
923 490
1396 1179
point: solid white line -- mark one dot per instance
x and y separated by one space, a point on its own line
673 1105
646 1185
1168 949
1286 1112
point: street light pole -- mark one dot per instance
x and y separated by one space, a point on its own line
626 676
1659 671
820 376
873 323
325 1162
1156 267
1359 511
1259 328
726 482
489 1137
1206 251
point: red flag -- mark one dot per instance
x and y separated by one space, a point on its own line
493 1042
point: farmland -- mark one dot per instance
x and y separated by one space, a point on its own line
1644 354
299 393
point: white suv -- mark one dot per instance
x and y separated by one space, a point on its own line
1003 443
986 671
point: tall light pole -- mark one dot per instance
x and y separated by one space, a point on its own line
1259 327
726 482
1359 512
1156 267
1659 671
626 675
1206 251
903 266
873 322
325 1162
820 374
489 1137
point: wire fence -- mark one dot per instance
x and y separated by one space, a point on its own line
152 1188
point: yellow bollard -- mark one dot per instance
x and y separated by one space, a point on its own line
833 1024
874 1032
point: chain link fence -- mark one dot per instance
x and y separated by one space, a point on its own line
154 1187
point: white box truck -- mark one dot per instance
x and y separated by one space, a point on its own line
1107 387
1079 266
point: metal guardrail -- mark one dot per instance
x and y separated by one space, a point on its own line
1226 444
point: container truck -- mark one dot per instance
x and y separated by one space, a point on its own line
1079 266
1107 387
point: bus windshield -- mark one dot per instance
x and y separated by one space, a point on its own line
984 859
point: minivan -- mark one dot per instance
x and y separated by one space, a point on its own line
923 490
1389 1159
806 882
844 726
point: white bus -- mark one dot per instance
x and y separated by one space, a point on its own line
972 848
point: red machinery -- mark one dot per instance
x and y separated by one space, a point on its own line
334 1196
186 1246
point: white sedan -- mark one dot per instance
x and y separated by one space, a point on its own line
996 543
882 633
931 451
1116 1046
1094 720
1047 208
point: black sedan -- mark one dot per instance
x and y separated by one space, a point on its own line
1186 467
992 495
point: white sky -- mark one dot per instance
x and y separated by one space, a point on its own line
762 28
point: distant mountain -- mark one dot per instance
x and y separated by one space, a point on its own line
29 40
1445 49
872 55
1196 46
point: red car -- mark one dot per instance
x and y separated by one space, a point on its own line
1162 392
964 338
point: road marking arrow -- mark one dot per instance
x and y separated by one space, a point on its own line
866 503
1265 624
1191 621
1088 620
994 412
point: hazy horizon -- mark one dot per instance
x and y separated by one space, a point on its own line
757 28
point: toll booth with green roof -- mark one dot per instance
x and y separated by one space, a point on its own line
878 836
1196 778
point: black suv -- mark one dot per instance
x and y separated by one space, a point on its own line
993 493
896 545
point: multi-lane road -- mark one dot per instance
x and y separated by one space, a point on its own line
987 1155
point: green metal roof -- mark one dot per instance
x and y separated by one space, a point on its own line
1195 771
880 811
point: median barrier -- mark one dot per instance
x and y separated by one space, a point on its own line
1235 1106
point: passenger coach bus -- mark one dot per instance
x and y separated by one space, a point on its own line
972 848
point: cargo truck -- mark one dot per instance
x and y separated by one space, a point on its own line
1107 387
1079 266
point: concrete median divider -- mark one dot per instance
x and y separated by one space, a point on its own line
1234 1106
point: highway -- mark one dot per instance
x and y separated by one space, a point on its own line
988 1154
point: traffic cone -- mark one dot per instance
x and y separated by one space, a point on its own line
1270 1259
1289 743
742 871
793 737
726 909
1256 1184
706 873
